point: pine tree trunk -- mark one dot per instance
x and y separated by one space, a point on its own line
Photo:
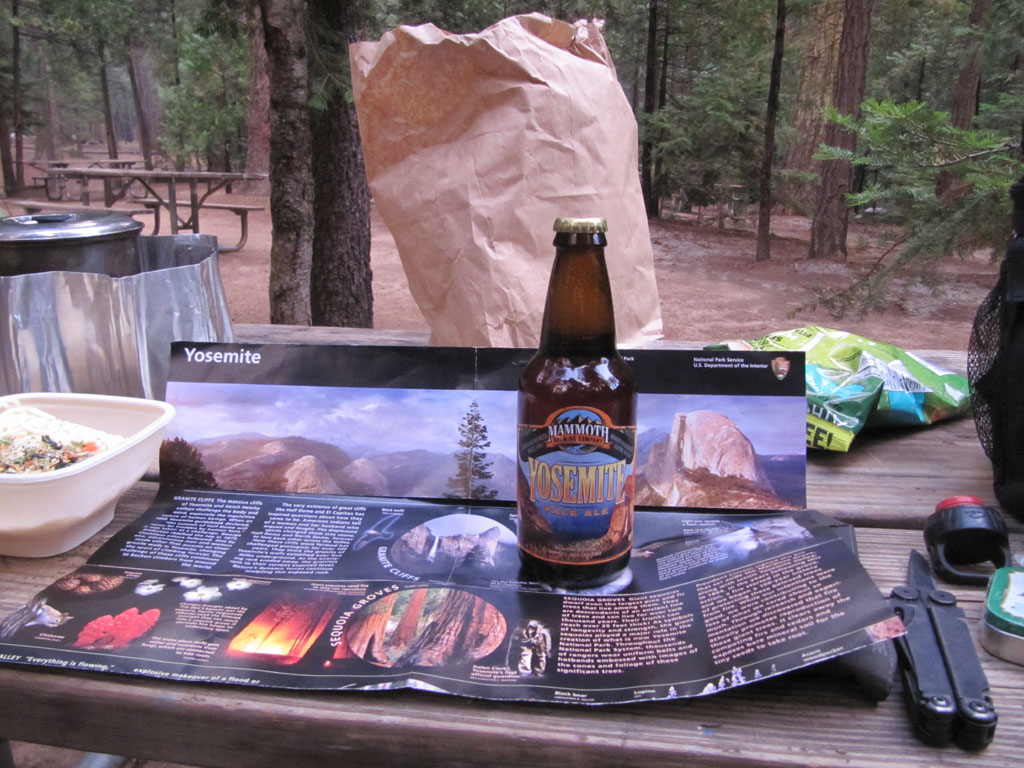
46 137
764 214
366 637
179 160
965 95
108 113
831 214
16 95
405 632
820 27
257 155
919 81
341 280
145 135
656 184
444 639
650 104
7 175
291 173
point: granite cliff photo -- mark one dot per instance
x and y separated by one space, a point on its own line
692 451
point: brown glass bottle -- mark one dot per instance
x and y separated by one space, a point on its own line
577 425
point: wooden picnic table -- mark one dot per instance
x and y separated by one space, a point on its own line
112 163
53 185
886 486
161 192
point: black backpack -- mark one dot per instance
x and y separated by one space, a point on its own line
995 369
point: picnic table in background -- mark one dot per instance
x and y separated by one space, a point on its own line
44 173
51 183
155 190
112 163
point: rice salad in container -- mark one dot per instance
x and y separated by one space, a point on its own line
65 460
32 440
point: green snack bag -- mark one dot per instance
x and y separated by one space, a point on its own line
853 382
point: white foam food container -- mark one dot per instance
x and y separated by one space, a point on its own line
47 513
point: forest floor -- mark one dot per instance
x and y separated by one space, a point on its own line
711 288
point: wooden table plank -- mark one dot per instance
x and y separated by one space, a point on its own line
298 334
795 721
800 719
894 478
887 484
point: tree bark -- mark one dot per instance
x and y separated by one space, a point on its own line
341 286
108 113
463 625
831 214
656 183
16 95
7 176
175 41
366 636
650 104
764 214
145 134
257 154
820 28
965 97
46 137
405 632
948 186
179 160
291 172
919 81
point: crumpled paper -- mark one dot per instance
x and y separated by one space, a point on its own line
854 382
475 143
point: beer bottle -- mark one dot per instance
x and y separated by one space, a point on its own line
577 425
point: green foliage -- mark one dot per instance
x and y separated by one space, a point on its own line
916 50
710 133
181 466
706 135
473 468
945 188
204 113
918 154
463 16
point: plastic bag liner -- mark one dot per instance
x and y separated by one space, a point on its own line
995 367
91 333
854 382
474 144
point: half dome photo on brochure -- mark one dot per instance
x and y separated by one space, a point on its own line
693 450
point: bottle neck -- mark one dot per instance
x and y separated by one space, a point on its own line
579 317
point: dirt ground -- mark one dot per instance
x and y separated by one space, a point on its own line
710 286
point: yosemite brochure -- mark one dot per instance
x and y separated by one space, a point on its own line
283 548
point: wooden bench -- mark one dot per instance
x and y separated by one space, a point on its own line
40 206
239 209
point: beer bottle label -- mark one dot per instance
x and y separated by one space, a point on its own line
576 494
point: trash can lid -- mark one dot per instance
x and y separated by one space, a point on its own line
57 227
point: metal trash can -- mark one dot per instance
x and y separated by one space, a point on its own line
101 242
103 320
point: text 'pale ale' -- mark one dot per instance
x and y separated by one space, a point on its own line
577 424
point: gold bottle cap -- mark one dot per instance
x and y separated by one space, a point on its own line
581 225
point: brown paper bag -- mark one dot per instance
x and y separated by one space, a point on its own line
474 144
